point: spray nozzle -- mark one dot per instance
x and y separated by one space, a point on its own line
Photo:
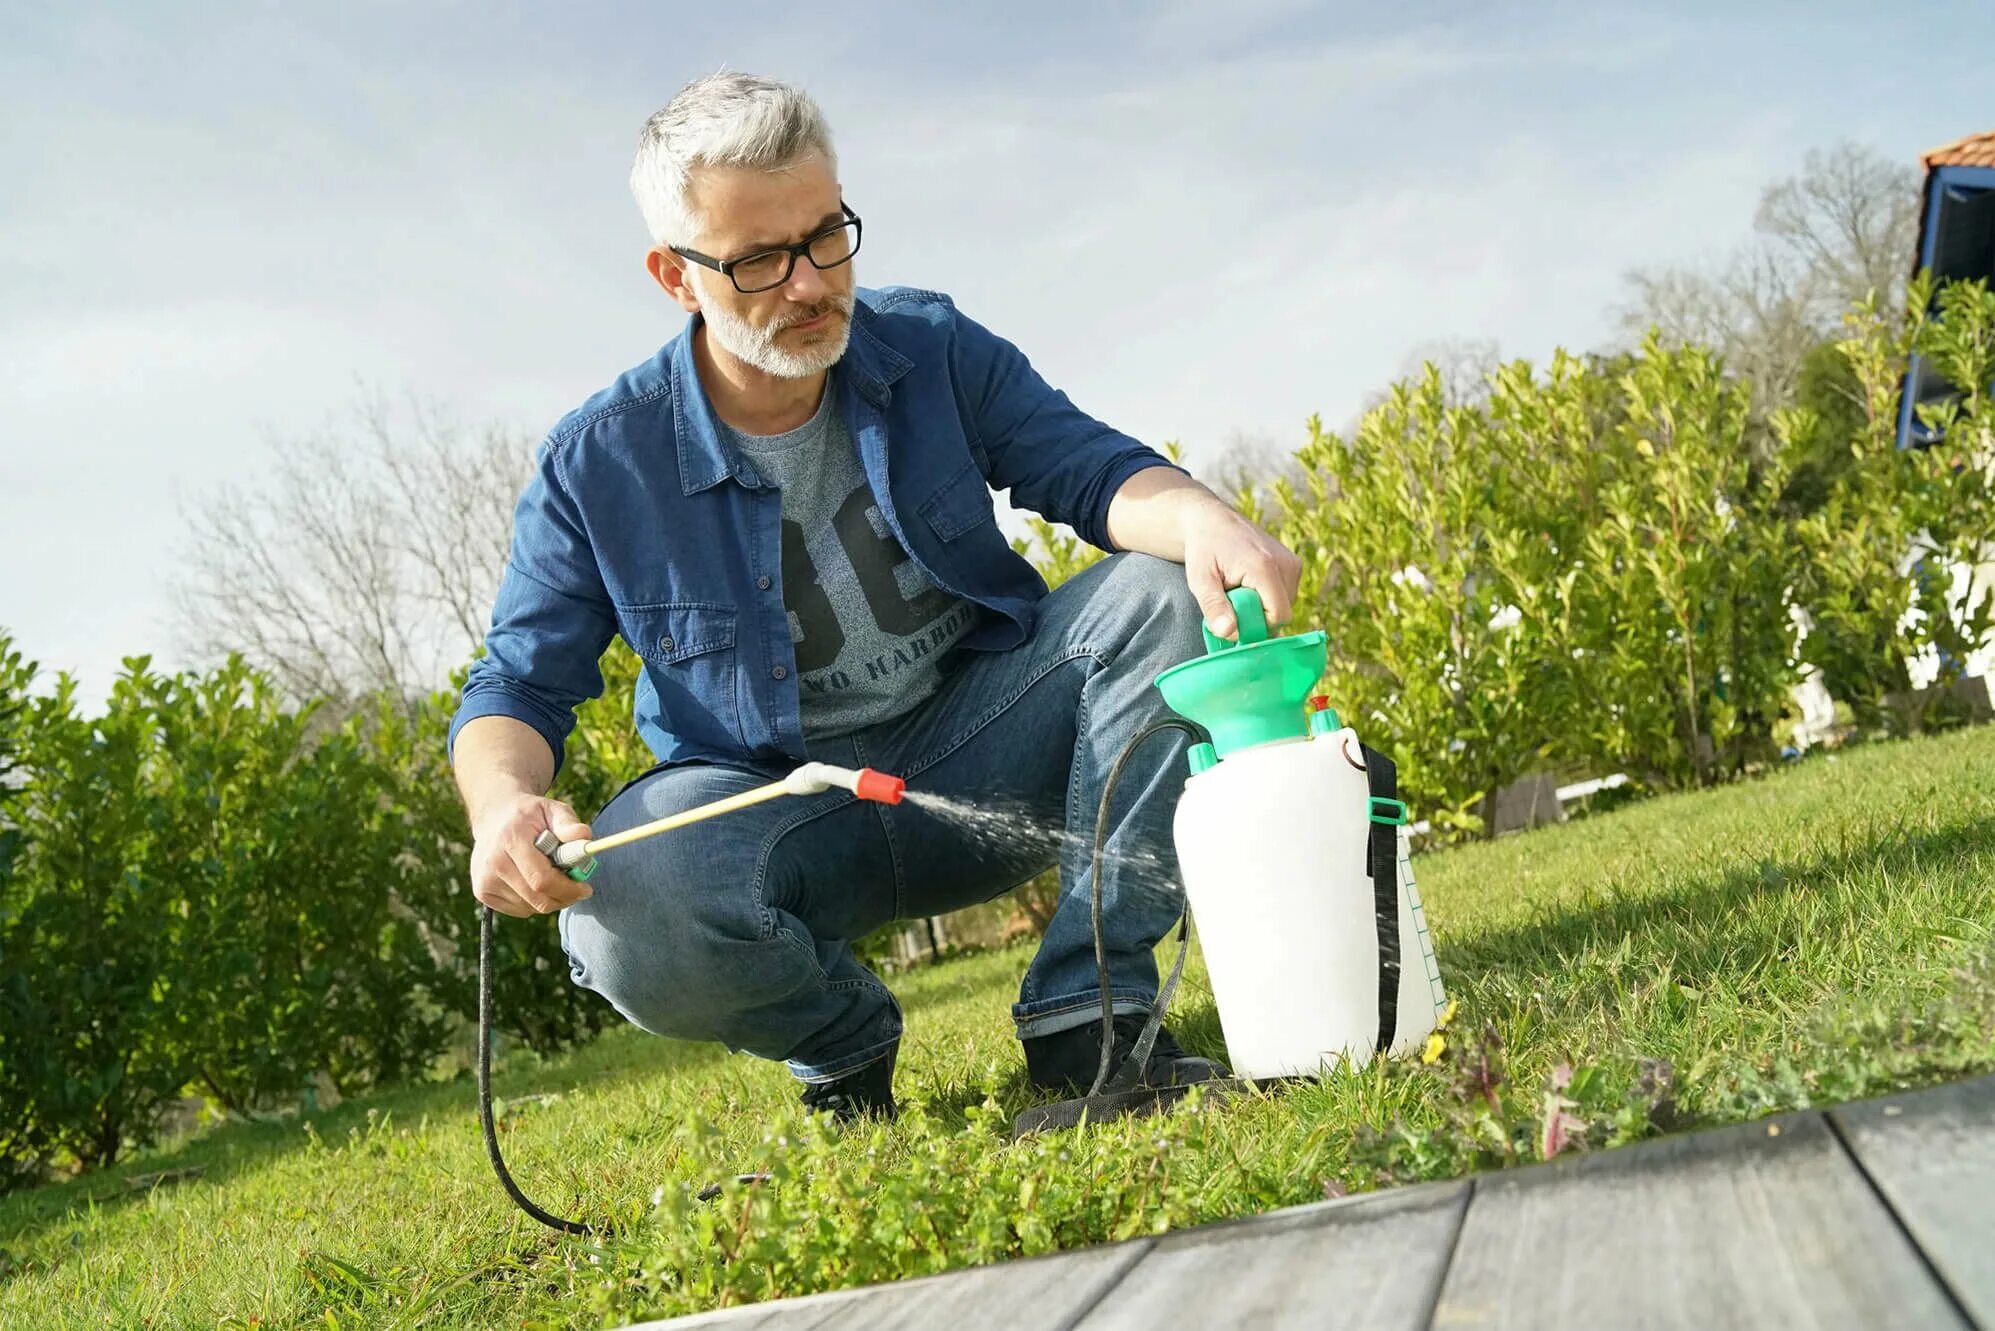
879 786
866 783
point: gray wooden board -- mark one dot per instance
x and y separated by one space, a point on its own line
1372 1261
775 1315
1050 1292
1932 1155
1757 1225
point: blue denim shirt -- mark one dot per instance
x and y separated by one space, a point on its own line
640 520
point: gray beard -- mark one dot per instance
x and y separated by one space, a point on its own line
758 347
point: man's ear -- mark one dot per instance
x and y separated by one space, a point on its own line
668 270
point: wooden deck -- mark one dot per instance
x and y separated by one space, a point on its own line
1879 1213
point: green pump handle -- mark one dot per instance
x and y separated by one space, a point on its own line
1248 614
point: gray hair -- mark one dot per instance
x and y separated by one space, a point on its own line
721 120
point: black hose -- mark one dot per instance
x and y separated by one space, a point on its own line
485 1086
1140 1055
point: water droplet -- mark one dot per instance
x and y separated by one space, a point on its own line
1012 832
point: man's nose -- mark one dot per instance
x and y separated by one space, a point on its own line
806 284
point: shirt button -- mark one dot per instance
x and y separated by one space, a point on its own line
781 672
763 582
664 644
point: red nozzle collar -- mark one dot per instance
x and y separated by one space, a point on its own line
879 786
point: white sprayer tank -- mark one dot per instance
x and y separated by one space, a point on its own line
1273 844
1274 838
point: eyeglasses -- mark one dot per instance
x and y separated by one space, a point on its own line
765 270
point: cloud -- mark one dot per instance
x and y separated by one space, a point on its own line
1238 245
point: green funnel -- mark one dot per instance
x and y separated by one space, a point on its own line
1249 692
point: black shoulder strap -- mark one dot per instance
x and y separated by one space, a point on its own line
1383 865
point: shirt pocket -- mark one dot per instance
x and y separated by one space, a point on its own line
960 504
688 649
668 633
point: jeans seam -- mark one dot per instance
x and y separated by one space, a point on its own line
767 919
1074 811
886 831
991 714
1025 985
764 916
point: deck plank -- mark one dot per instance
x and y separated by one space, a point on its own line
1761 1224
1372 1261
1049 1292
1932 1155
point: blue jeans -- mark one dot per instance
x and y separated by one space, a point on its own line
739 929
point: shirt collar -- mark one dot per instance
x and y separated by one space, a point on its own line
705 456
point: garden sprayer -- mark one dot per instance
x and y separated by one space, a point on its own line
1292 845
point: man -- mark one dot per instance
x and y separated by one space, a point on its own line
787 514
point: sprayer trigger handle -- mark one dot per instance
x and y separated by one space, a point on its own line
1248 614
571 856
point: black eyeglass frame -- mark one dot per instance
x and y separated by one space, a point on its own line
726 267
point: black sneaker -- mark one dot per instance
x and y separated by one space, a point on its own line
860 1092
1069 1060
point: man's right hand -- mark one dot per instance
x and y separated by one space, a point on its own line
507 873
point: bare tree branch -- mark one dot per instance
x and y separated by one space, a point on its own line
367 560
1250 461
1844 226
1465 365
1851 220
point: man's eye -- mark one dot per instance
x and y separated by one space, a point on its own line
759 265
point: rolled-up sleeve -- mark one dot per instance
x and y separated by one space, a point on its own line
551 621
1054 458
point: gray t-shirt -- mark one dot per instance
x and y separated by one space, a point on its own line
868 625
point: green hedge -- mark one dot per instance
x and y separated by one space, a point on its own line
202 892
1598 568
199 897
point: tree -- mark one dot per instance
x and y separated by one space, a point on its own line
1756 311
1826 238
1850 221
1466 365
368 561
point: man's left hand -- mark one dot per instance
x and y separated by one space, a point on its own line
1224 550
1164 512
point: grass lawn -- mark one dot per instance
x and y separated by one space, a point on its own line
1823 934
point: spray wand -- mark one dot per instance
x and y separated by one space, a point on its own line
578 859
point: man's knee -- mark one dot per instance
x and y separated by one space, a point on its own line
1153 604
673 934
682 960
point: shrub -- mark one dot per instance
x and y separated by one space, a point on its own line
195 894
1879 580
533 999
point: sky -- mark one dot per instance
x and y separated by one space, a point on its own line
223 224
